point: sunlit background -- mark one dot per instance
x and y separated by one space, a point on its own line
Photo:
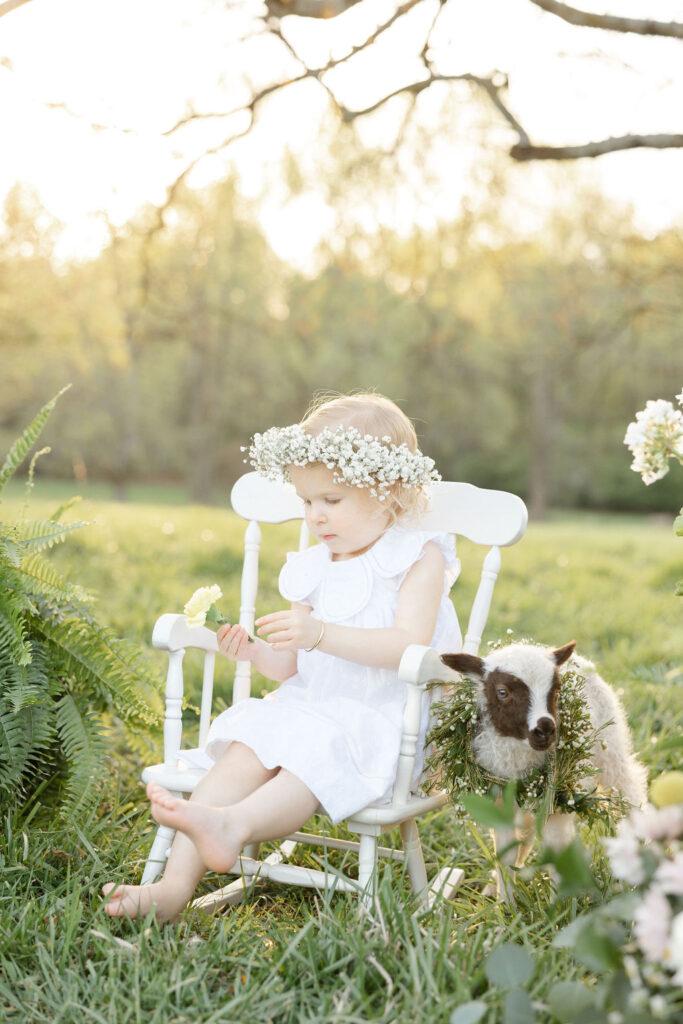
531 308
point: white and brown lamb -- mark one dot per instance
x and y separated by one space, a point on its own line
518 694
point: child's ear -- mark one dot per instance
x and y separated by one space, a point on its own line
467 664
561 654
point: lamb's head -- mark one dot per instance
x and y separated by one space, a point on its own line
520 684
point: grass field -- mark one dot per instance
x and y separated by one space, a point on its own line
606 581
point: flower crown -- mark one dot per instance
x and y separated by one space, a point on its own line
359 460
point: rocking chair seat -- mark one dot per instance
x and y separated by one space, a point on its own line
490 518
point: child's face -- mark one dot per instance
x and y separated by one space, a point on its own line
347 519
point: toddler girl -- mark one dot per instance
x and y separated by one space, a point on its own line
330 735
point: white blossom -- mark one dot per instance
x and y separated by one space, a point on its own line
676 948
657 822
623 851
654 437
669 875
651 924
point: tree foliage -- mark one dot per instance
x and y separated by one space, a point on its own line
522 361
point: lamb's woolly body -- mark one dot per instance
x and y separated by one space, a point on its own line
617 765
508 757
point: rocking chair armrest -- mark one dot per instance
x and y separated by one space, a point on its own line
422 665
419 666
172 633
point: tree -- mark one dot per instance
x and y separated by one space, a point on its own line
427 67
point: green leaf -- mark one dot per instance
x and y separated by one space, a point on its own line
596 949
517 1008
678 525
487 812
468 1013
573 868
567 998
509 965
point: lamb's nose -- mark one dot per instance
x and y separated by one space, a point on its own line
543 735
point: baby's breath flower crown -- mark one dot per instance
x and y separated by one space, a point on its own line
359 460
562 783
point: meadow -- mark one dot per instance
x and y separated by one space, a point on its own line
606 581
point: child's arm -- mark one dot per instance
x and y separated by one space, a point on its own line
414 622
233 642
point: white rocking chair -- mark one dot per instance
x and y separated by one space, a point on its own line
486 517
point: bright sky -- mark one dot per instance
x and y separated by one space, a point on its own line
138 64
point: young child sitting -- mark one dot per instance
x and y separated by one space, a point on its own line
330 734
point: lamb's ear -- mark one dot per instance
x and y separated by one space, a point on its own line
561 654
467 664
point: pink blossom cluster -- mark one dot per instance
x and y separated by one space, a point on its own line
646 852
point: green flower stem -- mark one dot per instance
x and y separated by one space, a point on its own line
214 619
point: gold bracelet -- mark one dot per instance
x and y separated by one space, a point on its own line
318 641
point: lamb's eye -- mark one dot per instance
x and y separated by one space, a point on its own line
502 694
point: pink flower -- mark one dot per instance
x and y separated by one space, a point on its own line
676 948
669 875
624 853
657 822
651 928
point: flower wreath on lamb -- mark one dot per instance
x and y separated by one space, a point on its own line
562 783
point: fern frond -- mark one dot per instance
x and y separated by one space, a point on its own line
81 736
45 582
65 506
12 749
9 550
25 686
38 534
13 633
25 442
107 666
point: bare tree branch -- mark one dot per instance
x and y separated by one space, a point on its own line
523 152
316 73
309 8
11 5
611 22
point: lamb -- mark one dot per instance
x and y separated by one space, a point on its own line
517 702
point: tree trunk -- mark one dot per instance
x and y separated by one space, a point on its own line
541 439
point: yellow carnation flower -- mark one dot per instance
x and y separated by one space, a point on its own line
196 608
667 789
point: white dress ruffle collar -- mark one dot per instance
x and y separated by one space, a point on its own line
341 589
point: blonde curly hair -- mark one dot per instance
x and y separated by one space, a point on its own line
375 414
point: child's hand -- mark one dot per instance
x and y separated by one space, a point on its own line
292 630
233 642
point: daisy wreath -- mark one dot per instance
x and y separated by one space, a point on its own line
359 460
562 783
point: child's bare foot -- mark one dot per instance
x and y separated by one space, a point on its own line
213 830
138 900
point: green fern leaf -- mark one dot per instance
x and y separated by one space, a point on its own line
65 506
13 633
25 442
81 736
12 749
104 664
38 534
43 581
9 550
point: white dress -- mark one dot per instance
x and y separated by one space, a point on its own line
336 724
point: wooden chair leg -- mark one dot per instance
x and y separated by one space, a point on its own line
156 862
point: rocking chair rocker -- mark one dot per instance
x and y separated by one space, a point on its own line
491 518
